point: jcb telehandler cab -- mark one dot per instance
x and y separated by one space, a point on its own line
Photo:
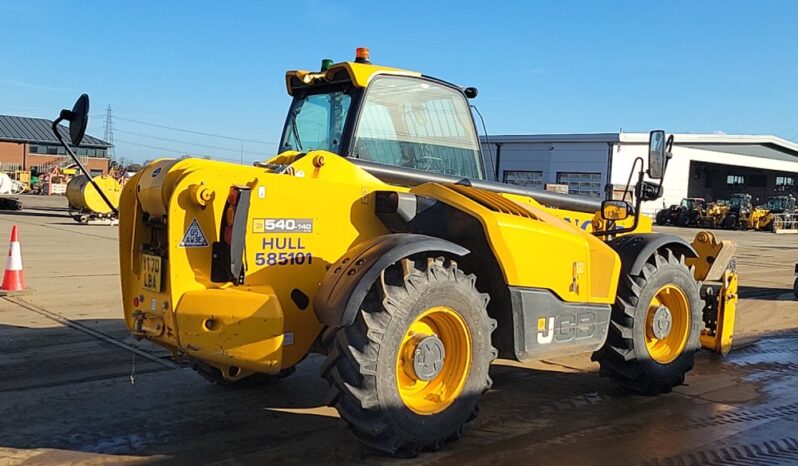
372 238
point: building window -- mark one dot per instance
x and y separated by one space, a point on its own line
59 150
784 183
532 179
735 180
581 184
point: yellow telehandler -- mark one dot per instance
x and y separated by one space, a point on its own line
374 238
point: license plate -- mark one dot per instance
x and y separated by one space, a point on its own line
151 272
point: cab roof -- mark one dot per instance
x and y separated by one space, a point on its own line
356 74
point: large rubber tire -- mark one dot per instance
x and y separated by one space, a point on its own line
795 288
363 364
730 222
661 218
625 356
684 219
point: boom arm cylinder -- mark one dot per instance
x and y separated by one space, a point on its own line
411 177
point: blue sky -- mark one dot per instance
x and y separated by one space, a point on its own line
541 67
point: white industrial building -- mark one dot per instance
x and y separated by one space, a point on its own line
711 166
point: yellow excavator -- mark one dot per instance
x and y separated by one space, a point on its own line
374 238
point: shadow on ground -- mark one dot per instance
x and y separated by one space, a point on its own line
27 213
764 293
66 391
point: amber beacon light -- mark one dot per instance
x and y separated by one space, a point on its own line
362 55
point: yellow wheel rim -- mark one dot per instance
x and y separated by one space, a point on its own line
430 380
665 346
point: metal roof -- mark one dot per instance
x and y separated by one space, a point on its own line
766 151
39 131
766 146
547 138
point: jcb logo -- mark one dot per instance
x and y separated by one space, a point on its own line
566 327
583 224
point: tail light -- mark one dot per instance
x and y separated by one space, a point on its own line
227 264
230 215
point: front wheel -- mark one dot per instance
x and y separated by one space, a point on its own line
655 327
409 372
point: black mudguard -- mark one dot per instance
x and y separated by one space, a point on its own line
348 280
636 249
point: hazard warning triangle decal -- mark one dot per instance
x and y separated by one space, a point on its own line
194 238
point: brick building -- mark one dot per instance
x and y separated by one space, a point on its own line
29 144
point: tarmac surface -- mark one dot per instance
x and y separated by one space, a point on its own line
76 389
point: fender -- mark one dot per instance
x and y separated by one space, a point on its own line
636 249
347 282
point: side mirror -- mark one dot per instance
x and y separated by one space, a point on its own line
615 210
78 119
656 154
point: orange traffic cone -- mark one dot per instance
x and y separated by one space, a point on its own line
13 279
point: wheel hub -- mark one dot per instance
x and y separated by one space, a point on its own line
662 322
428 357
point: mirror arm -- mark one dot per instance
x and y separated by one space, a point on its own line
80 165
638 203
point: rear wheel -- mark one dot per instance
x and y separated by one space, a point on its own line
731 222
684 219
408 373
655 327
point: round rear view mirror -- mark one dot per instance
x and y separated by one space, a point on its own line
79 120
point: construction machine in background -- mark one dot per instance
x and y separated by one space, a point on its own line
374 239
688 212
86 205
92 199
715 214
741 214
781 215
